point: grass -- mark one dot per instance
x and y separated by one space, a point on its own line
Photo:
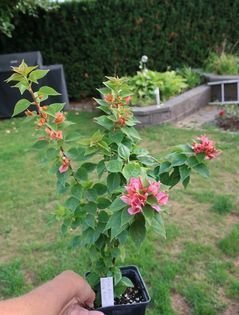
222 204
230 244
197 260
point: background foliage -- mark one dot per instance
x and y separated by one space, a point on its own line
107 37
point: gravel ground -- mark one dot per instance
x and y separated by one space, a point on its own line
197 119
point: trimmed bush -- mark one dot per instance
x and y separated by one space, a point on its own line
107 37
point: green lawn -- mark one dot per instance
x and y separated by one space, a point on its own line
195 270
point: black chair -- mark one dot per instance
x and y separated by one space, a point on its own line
9 96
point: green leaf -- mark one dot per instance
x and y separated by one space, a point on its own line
200 157
174 177
101 102
178 159
123 151
116 136
158 225
184 172
132 169
91 194
149 214
89 166
186 182
103 203
165 167
192 161
76 154
117 275
117 205
137 229
93 278
105 122
127 282
81 174
71 203
37 74
101 168
114 166
90 207
15 77
90 220
76 191
21 106
185 148
55 108
147 160
126 218
114 224
22 87
131 133
100 188
202 170
46 90
103 217
113 181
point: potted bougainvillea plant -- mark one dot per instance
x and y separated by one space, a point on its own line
115 189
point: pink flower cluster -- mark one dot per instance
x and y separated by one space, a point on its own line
205 146
137 196
54 135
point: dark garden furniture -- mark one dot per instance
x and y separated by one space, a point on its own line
9 96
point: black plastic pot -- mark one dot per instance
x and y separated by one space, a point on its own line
134 275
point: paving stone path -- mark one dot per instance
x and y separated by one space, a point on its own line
196 120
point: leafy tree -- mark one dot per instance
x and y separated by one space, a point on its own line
9 9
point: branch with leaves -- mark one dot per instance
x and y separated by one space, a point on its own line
116 189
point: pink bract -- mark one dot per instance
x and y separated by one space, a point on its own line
63 168
207 146
137 195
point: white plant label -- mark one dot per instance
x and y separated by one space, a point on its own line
107 291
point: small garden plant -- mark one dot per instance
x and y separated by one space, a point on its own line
228 117
222 63
114 189
143 85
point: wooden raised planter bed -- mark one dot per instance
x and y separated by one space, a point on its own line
174 109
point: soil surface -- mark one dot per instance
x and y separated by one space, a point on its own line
179 305
130 296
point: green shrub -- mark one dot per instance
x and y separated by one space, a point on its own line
192 77
143 86
223 63
107 37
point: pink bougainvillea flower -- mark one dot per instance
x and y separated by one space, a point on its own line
154 188
54 135
135 184
162 198
204 145
128 99
65 165
59 118
137 195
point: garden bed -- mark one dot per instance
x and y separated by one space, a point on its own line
174 109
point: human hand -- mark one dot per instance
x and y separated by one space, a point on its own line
83 296
76 309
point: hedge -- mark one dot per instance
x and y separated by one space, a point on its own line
107 37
